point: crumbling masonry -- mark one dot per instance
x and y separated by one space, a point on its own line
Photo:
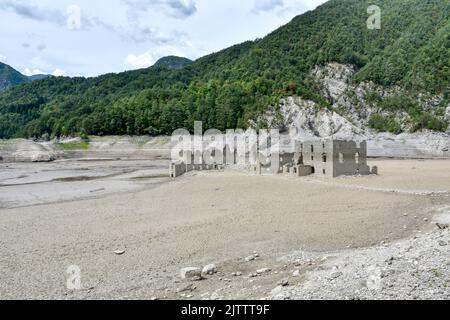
328 158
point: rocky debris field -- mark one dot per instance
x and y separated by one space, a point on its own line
412 269
418 268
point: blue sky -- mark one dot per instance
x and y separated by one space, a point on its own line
88 38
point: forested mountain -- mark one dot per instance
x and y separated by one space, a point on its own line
410 52
10 77
172 62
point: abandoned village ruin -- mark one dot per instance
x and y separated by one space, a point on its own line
327 158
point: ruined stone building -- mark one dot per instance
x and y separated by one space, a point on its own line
328 158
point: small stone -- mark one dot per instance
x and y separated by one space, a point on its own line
189 287
442 243
425 219
442 226
191 273
336 275
210 269
296 273
284 283
119 252
250 258
263 270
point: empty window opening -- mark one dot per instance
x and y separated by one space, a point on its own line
313 170
324 158
312 158
324 171
295 170
312 148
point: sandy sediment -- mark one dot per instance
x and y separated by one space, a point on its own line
211 217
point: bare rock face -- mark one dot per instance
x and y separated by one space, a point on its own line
309 119
334 78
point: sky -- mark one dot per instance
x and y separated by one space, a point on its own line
89 38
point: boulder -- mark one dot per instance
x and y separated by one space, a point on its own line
210 269
191 273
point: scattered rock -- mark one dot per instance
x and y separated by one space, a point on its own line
119 252
191 273
210 269
250 258
296 273
189 287
442 243
263 270
442 226
283 283
335 275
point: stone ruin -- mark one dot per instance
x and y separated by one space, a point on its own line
327 158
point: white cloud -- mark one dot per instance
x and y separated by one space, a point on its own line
174 8
3 59
31 72
140 61
267 5
58 73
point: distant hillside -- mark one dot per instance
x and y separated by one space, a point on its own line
10 77
404 69
172 62
39 76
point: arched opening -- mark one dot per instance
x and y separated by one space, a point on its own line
357 157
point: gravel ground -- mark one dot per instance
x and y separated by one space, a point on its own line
133 244
417 268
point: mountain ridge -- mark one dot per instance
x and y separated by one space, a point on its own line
408 57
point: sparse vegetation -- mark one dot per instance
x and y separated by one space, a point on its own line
73 146
385 124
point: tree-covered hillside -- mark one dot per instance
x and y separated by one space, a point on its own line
172 62
228 88
10 77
